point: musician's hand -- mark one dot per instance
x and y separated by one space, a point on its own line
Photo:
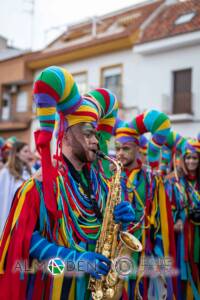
94 264
124 212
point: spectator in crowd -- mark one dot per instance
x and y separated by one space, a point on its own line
12 175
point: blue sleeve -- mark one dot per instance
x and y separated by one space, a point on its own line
42 249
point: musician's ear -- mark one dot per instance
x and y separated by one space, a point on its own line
67 137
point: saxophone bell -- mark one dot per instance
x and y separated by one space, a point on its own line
130 241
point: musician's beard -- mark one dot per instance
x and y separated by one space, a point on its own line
82 154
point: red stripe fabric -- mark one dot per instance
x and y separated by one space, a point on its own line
41 87
8 224
21 237
140 124
186 234
86 113
106 97
38 287
106 128
172 244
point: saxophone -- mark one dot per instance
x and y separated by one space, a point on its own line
112 242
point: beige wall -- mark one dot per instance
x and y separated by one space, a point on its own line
11 70
23 116
22 135
14 71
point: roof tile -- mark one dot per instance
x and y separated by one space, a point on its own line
163 26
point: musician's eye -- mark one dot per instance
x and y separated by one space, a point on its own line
90 134
126 149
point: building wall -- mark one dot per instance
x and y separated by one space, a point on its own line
155 82
147 79
11 70
94 66
155 75
26 115
22 135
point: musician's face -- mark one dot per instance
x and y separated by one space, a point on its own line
84 141
191 161
126 153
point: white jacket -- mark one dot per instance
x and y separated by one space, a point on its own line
8 187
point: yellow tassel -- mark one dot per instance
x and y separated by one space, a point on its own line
57 286
163 218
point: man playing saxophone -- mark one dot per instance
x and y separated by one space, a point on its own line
61 215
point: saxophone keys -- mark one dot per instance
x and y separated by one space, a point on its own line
110 293
112 278
97 295
106 249
106 253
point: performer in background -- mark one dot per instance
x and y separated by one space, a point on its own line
184 193
140 186
62 215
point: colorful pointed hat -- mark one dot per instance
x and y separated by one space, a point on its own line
56 91
143 143
192 145
176 142
151 121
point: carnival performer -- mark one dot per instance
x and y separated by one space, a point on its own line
183 189
140 186
62 215
12 175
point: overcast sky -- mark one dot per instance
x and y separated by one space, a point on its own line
23 31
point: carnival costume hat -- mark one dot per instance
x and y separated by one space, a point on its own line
174 142
192 145
143 143
56 91
150 121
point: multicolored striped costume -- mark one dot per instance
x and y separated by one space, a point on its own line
145 191
184 194
56 208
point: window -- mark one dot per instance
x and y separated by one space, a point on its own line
6 106
185 18
112 80
22 102
81 81
182 96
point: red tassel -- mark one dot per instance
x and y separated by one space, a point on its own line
186 234
42 140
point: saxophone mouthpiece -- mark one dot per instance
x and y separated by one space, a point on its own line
100 154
